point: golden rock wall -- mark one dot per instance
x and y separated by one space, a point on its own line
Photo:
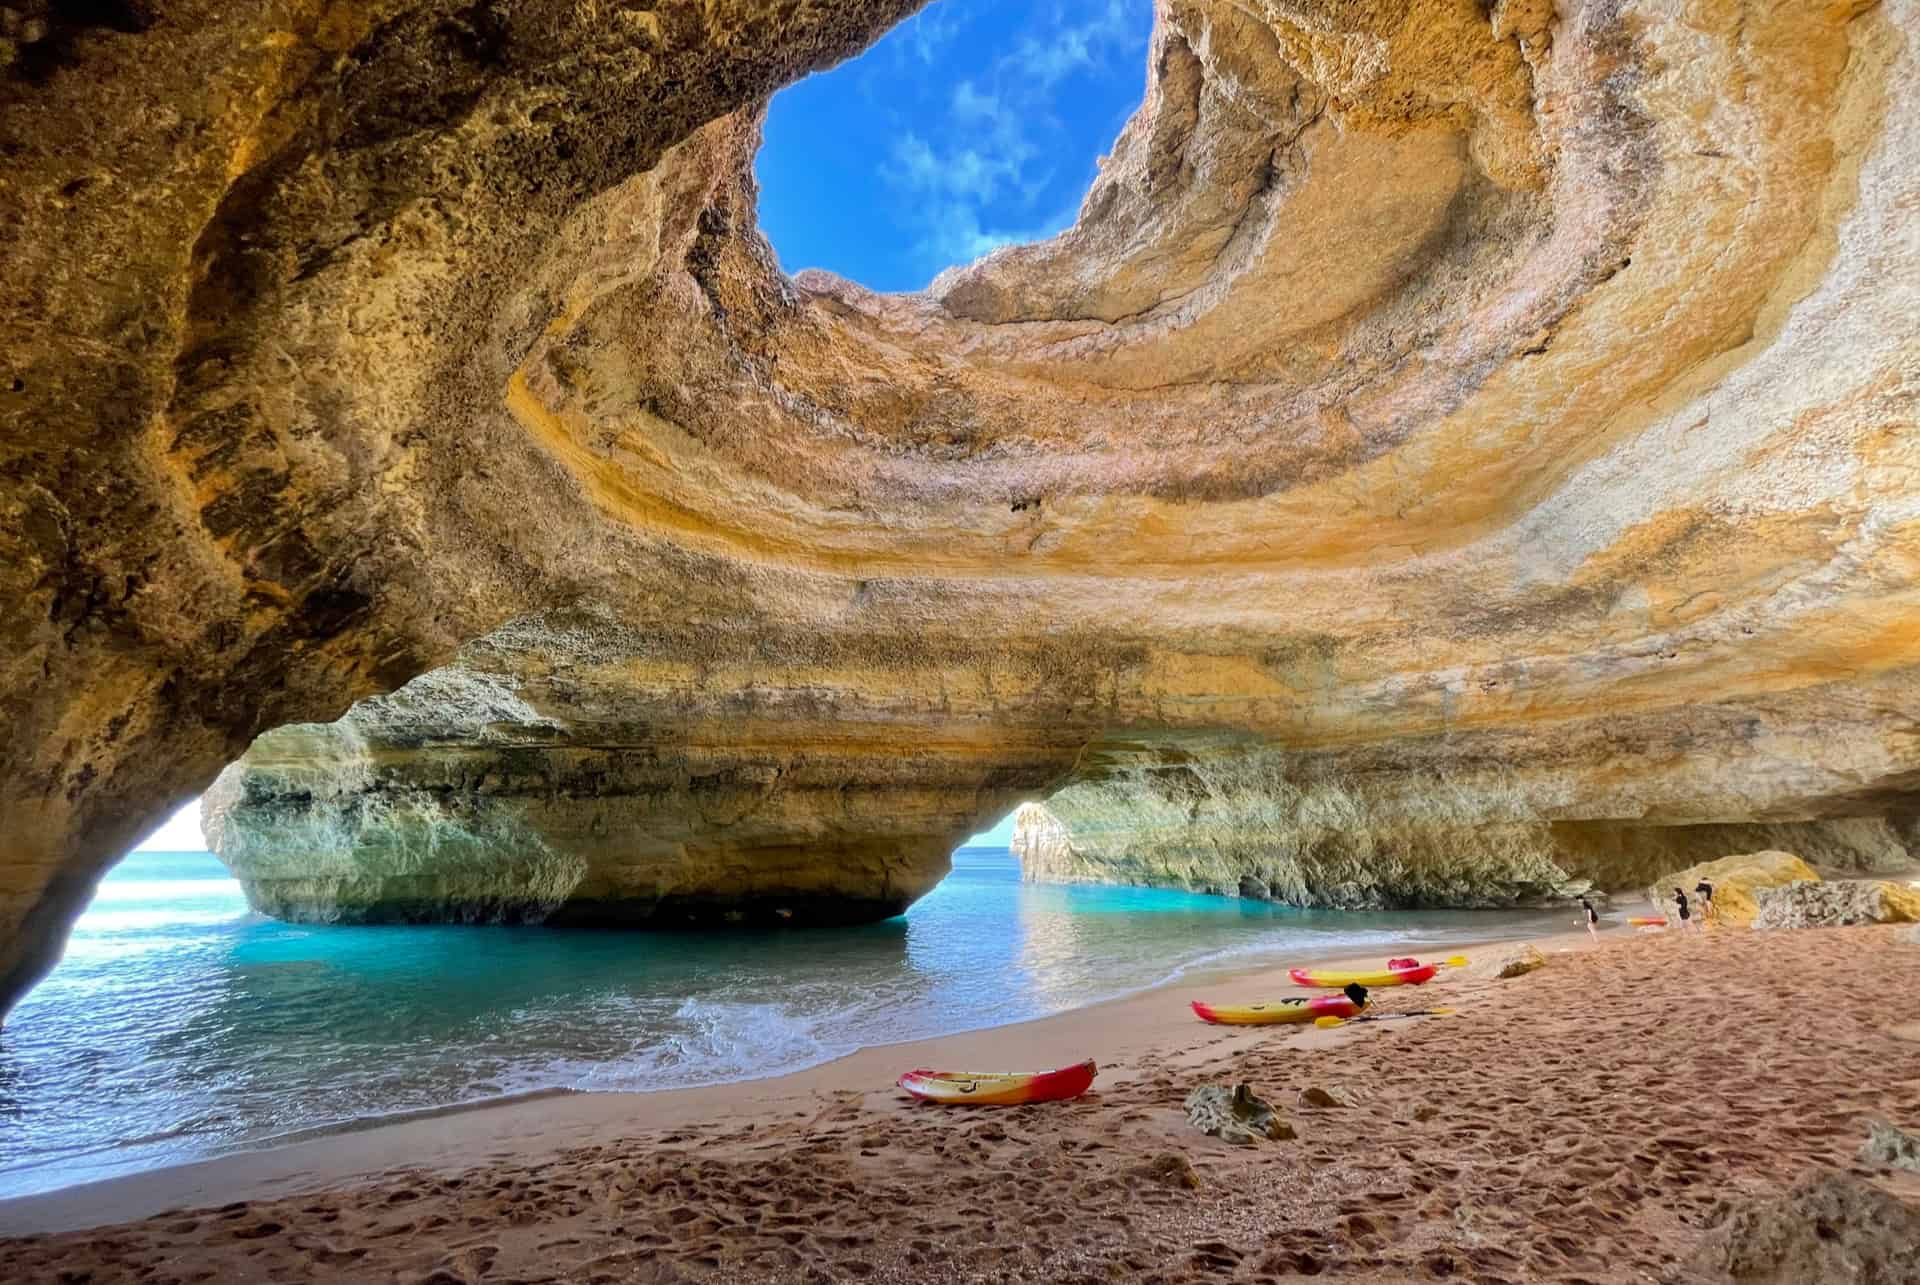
1519 399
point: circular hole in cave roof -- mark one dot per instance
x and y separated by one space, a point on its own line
972 125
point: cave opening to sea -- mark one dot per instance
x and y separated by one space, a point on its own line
180 1024
972 125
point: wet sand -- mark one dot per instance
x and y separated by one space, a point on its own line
1585 1122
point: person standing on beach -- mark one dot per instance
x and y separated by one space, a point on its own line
1590 917
1705 890
1686 915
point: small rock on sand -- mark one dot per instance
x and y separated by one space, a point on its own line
1315 1096
1510 961
1831 1227
1169 1169
1886 1145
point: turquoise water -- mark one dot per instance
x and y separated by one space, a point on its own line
179 1024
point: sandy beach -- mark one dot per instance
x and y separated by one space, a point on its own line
1588 1121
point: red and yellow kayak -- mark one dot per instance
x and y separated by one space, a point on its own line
1648 921
1304 1009
1326 980
1000 1088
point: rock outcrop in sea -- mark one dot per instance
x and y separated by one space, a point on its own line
1487 428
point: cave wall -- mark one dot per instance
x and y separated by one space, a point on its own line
268 265
1301 830
570 769
1523 391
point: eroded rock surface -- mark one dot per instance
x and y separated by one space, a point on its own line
1235 824
1738 884
1505 962
1832 1227
568 771
1836 903
1891 1147
1492 421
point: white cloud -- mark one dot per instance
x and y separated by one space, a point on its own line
914 162
963 173
931 31
1069 46
970 104
975 181
955 234
957 237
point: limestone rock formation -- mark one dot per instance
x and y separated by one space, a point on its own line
1504 962
1836 903
561 773
1738 882
1488 427
1832 1227
1891 1147
1287 828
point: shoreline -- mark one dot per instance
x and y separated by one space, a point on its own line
557 1117
1555 1126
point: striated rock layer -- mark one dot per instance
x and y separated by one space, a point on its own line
1502 414
1239 825
568 771
1835 904
1738 883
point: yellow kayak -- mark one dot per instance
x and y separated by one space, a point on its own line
999 1088
1304 1009
1388 977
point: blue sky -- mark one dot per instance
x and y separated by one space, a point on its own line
971 125
999 837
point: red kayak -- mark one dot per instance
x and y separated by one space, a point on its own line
999 1088
1303 1009
1326 980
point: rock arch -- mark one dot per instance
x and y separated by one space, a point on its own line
1521 393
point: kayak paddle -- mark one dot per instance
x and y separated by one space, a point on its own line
1381 1017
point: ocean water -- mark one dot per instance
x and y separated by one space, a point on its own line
180 1025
